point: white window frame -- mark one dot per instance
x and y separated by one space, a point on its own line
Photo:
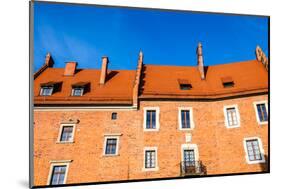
58 163
60 132
260 148
226 118
190 147
41 90
191 118
73 88
157 114
257 114
111 136
156 168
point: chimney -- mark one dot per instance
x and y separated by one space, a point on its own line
103 73
200 63
49 60
261 57
70 68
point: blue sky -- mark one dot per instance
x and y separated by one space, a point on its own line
86 33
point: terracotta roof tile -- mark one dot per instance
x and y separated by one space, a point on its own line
163 80
118 87
157 82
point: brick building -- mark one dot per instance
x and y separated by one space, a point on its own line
153 122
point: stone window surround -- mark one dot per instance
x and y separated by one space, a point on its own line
260 148
226 118
190 147
256 111
156 168
191 118
60 132
157 118
111 136
58 163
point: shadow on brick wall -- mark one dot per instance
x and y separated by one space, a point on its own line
264 166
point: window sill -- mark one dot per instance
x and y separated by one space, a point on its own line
150 169
256 161
64 142
151 130
110 155
232 127
263 123
186 129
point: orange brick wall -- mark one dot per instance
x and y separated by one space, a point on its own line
220 149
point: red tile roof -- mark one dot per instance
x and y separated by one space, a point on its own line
162 81
117 89
157 82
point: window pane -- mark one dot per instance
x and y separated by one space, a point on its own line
66 133
183 123
150 159
114 116
153 120
150 119
58 175
231 116
253 150
46 91
78 91
185 117
111 144
262 112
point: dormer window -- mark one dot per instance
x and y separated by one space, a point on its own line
47 89
79 89
227 82
184 84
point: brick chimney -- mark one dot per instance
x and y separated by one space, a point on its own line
104 66
70 68
49 62
200 63
137 80
261 57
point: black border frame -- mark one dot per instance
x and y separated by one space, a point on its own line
31 102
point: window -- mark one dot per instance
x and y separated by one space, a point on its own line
58 172
232 118
190 163
114 116
150 159
254 150
111 145
77 91
227 82
184 84
261 112
185 118
46 91
80 88
189 153
58 175
151 119
66 133
189 157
